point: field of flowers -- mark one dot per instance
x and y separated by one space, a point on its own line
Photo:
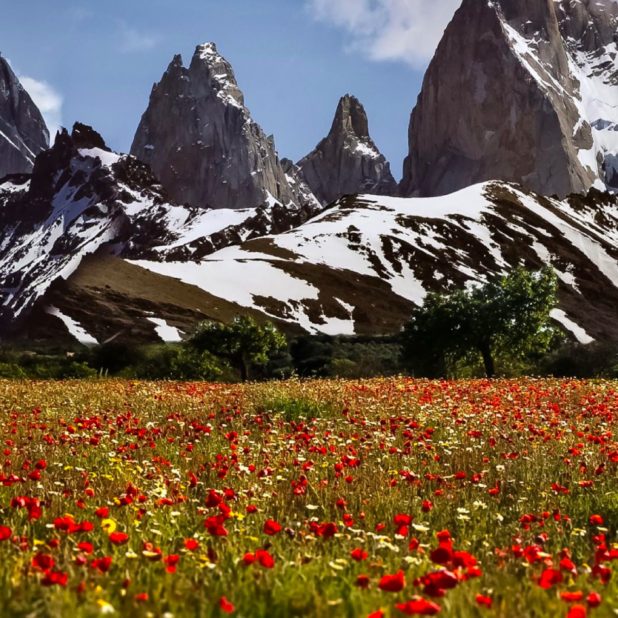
380 498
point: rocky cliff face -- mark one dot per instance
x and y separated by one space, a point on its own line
82 199
347 161
519 90
199 139
23 133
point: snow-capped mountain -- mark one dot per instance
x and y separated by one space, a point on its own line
347 161
358 267
82 198
523 91
361 264
23 133
201 142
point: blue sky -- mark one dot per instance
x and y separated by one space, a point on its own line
96 61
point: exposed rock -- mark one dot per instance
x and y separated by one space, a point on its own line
199 139
523 91
23 134
347 161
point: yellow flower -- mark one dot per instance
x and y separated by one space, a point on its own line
108 525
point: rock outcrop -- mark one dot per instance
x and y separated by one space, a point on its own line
347 161
199 139
23 134
523 91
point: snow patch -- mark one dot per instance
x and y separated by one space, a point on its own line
74 328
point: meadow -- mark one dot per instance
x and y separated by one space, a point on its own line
376 498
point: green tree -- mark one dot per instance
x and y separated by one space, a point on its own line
507 318
244 342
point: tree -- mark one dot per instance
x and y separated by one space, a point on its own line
508 318
244 342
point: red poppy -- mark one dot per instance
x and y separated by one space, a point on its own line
85 547
377 614
572 597
393 583
484 601
362 581
5 533
265 558
594 599
170 562
55 578
550 578
271 527
226 606
419 606
596 520
577 611
359 554
43 562
119 538
191 544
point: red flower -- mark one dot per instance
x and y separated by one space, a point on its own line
577 611
594 599
118 538
427 506
358 554
572 597
419 606
226 606
265 559
86 547
596 520
55 578
191 544
392 583
43 562
362 581
170 562
5 533
214 525
141 597
271 527
484 601
550 578
102 512
377 614
102 564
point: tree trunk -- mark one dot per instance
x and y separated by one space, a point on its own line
488 360
244 370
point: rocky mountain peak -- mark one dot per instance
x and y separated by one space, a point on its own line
218 74
347 161
350 118
554 132
84 136
23 133
200 140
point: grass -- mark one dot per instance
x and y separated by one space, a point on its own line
381 466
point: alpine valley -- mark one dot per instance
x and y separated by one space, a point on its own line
513 159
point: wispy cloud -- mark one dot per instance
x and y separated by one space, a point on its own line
133 40
47 99
401 30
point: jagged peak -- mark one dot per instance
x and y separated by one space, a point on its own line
220 73
351 118
84 136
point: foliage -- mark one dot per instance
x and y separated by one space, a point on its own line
506 319
244 342
313 498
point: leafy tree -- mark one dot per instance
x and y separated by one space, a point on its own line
244 342
508 318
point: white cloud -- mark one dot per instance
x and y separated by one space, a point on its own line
402 30
48 100
132 40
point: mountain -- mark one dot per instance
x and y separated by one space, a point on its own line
347 161
82 198
200 141
523 91
23 133
358 267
